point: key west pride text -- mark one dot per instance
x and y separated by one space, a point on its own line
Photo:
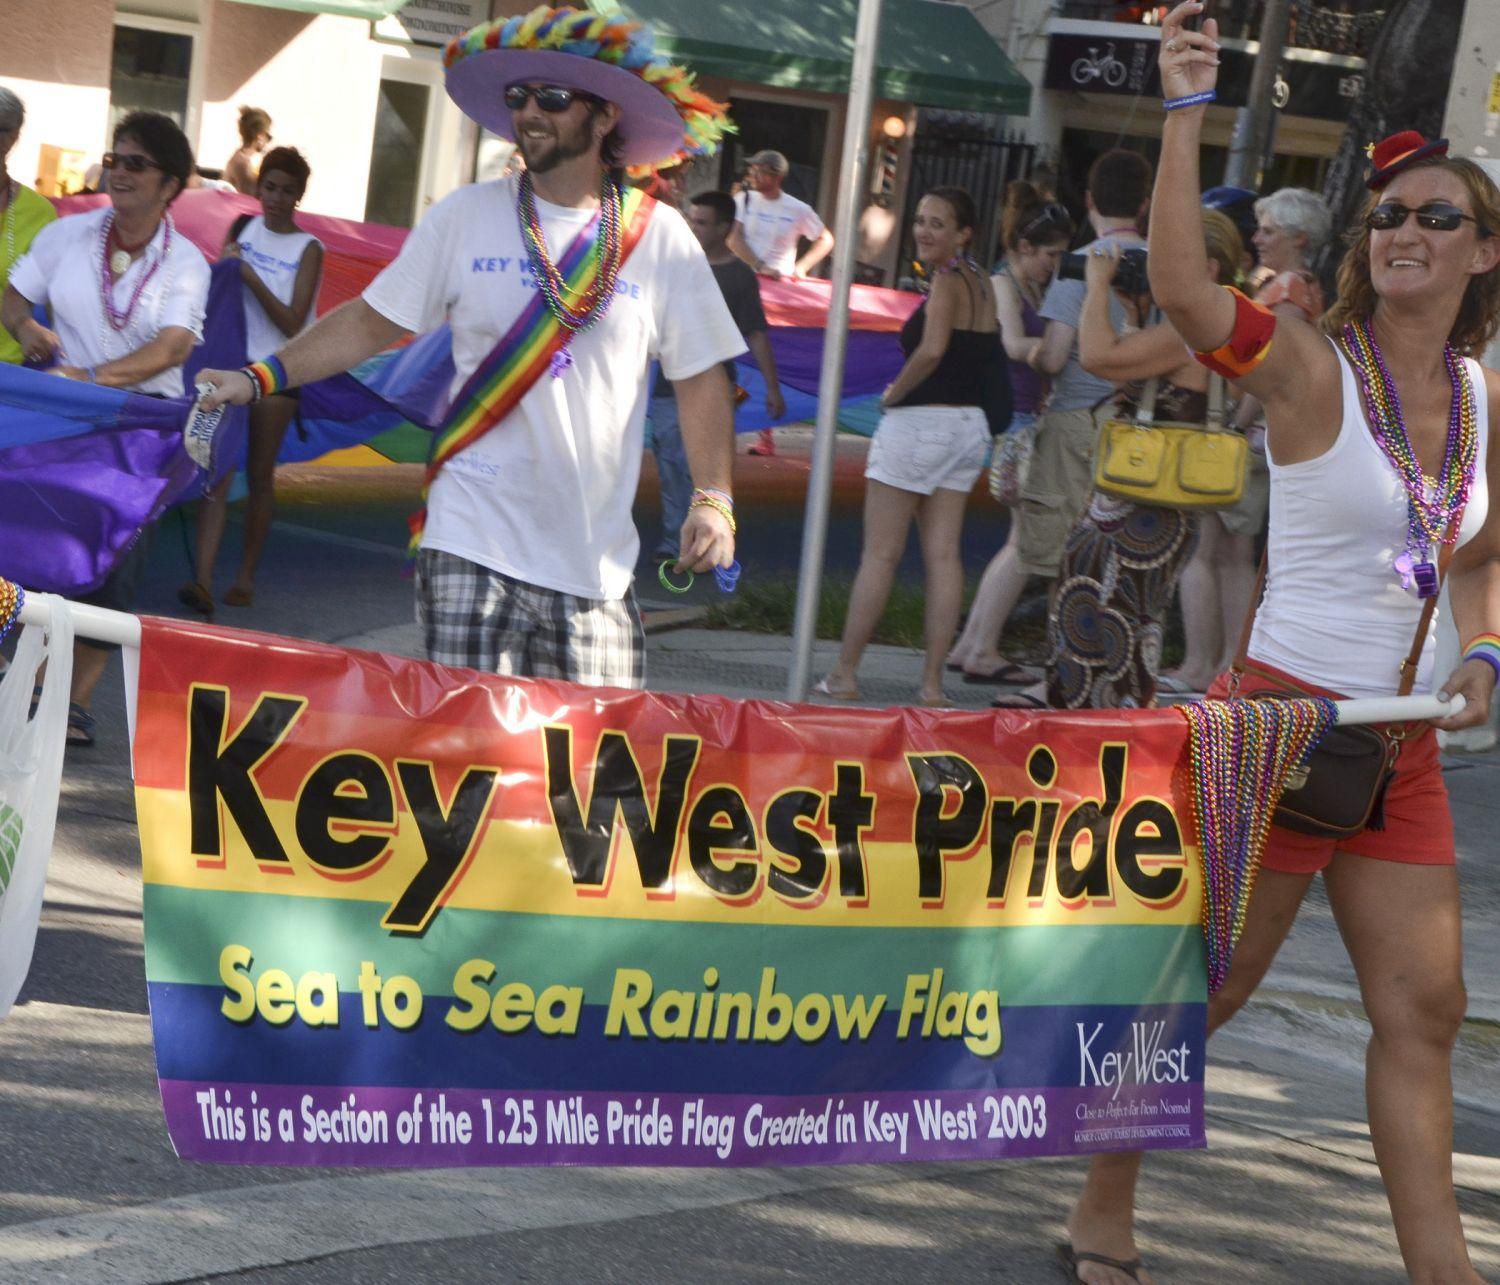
806 846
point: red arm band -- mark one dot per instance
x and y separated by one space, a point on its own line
1248 342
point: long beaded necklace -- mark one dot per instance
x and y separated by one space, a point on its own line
11 193
1431 504
594 301
119 319
1242 751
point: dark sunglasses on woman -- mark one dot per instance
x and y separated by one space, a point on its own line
1435 216
134 163
550 98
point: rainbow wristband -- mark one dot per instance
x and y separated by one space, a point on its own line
1485 647
1188 100
269 375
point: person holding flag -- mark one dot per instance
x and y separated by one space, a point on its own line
1380 431
559 285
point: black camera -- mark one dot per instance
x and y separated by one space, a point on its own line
1130 278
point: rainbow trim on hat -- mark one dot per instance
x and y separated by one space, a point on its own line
618 42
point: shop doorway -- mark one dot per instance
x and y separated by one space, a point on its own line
798 131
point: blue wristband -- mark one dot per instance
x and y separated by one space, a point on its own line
1188 100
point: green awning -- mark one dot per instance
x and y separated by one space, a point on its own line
932 53
374 10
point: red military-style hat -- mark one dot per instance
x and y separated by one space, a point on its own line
1399 152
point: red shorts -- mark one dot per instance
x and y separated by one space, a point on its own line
1418 823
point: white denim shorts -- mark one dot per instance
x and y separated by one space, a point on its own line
929 448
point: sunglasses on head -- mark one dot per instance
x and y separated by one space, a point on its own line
1435 216
550 98
1052 213
134 163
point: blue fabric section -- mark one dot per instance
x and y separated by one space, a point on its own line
194 1041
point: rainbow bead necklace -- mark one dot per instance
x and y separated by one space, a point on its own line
1241 752
594 301
1431 505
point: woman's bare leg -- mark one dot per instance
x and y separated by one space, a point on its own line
1103 1218
268 425
888 514
940 519
1404 933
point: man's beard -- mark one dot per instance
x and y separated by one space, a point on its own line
544 154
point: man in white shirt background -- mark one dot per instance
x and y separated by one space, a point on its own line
769 223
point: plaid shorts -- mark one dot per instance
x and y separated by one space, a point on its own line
478 618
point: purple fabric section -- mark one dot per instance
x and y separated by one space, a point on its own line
390 1126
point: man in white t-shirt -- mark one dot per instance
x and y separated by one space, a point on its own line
527 557
769 224
127 293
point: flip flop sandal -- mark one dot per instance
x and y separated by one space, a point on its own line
237 597
822 688
1171 685
197 598
1070 1260
80 726
1008 674
1019 700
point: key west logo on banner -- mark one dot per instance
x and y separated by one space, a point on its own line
398 914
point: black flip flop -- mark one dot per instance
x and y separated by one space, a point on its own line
1019 700
1070 1260
1008 674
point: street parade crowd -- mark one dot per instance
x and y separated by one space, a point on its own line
1333 431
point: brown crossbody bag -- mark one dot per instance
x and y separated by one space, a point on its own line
1340 789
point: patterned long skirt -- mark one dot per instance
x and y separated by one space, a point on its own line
1118 575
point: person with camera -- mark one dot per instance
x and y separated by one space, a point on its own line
1123 557
1378 431
1061 477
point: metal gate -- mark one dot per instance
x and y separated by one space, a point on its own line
970 150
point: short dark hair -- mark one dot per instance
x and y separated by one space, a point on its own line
721 203
959 201
611 146
162 141
289 161
1119 183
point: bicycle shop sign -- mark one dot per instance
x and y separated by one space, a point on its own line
1308 83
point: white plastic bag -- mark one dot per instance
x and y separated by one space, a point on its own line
31 757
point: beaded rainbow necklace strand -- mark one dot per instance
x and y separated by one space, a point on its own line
1430 505
594 301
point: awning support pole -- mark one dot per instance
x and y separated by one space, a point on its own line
835 343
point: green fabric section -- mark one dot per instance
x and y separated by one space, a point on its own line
1041 965
404 444
933 54
374 10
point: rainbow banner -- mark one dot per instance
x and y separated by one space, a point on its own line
400 914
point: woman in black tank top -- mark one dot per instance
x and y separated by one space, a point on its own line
931 445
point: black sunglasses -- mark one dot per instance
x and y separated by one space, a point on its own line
550 98
1435 216
134 163
1051 213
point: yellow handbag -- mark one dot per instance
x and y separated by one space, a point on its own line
1175 466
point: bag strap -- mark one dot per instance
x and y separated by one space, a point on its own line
1145 408
1215 421
1408 669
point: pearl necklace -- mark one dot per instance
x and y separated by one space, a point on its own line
1432 506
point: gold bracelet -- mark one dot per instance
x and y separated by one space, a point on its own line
718 505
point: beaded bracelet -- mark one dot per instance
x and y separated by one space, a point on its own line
1485 647
1188 100
718 505
12 599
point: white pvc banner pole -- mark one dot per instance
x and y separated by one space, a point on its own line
835 343
103 625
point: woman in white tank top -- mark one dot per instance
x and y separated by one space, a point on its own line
281 267
1378 427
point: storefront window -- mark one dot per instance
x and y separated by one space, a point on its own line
396 159
149 71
